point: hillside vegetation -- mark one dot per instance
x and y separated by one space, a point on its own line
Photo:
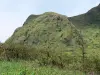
49 30
90 17
56 42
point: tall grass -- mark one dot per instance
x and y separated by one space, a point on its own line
28 68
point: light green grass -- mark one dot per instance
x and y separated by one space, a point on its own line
29 68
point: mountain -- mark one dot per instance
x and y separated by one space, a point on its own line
89 24
52 39
91 17
47 30
55 31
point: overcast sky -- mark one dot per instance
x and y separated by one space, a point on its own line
13 13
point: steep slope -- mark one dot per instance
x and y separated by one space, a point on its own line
89 24
49 30
91 17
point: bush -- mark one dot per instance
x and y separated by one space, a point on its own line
17 51
45 57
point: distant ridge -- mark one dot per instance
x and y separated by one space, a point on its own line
91 17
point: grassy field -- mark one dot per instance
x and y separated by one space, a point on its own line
30 68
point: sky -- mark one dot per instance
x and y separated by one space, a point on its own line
13 13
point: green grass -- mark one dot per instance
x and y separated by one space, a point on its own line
29 68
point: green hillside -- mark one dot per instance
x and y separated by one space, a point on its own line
48 30
55 41
89 24
90 17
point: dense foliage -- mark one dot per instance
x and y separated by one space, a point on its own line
50 39
64 60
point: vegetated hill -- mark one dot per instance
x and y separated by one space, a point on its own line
60 42
91 17
49 30
89 24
